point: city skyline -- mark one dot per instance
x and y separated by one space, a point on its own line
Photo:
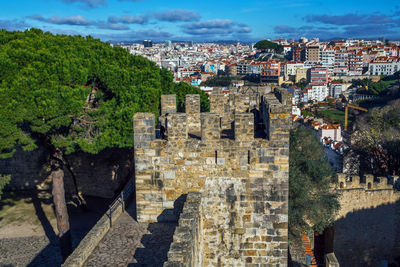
130 20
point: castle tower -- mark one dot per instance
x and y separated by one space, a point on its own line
241 179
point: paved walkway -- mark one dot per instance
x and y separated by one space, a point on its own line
129 243
43 250
29 251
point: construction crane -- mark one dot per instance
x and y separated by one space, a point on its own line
346 113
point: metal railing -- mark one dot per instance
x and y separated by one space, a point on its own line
122 198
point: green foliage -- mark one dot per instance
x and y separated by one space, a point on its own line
265 45
223 81
74 93
377 140
306 113
312 202
301 84
4 180
182 89
373 88
335 116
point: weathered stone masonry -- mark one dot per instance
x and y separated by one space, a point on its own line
367 226
237 158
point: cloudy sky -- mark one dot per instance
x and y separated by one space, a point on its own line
246 20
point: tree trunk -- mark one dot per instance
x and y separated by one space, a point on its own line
57 174
79 196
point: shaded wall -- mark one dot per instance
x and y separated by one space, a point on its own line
367 229
100 175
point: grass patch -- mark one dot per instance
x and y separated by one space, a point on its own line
19 208
335 116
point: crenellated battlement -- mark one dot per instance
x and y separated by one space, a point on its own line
257 111
236 157
368 182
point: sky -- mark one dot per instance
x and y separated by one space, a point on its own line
206 20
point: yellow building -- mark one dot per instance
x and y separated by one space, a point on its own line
301 73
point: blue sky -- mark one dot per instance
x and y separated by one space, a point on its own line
246 20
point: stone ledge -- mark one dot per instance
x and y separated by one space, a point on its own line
331 260
183 248
97 233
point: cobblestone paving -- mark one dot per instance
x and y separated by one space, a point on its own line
44 250
129 243
29 251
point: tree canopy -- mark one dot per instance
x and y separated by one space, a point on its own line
74 92
266 45
223 81
377 140
312 202
367 86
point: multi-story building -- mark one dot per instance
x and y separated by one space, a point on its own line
296 94
355 64
301 74
270 72
243 68
255 68
384 66
317 92
318 75
313 54
335 89
231 69
291 69
328 59
333 131
341 63
299 54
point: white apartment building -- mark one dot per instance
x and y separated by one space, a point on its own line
291 68
318 92
341 63
335 90
383 68
328 60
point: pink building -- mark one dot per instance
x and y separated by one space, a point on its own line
319 75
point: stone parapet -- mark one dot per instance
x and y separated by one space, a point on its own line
366 226
184 250
244 127
210 127
168 104
177 127
144 129
103 225
367 182
331 260
193 123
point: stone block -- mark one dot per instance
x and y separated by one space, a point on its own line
168 104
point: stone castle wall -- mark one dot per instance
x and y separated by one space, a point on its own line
243 179
367 227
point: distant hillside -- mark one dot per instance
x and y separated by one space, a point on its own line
266 45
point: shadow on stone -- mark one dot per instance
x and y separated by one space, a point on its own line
159 239
368 237
80 224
